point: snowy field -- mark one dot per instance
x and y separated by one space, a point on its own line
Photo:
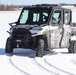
24 61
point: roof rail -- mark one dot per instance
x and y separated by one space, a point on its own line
51 5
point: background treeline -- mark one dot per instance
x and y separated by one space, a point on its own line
64 4
8 7
12 7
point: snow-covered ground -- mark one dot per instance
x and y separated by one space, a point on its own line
24 61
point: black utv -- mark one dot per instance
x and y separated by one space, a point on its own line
41 27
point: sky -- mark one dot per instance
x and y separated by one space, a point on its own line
30 2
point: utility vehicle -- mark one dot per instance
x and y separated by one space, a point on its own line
41 27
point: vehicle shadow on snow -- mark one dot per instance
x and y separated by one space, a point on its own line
19 52
32 54
28 52
25 52
2 51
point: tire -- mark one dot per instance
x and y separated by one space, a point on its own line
72 47
8 48
40 48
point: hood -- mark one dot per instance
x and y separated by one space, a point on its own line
24 26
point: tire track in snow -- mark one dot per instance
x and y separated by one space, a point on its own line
45 60
74 61
44 68
13 65
18 67
31 67
58 70
39 67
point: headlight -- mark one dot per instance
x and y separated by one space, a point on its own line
37 29
44 32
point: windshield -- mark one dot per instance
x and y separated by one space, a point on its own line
34 16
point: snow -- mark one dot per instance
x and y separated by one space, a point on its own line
24 61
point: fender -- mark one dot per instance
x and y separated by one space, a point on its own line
44 37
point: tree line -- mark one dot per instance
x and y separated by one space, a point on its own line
8 7
12 7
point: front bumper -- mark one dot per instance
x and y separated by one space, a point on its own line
21 37
20 43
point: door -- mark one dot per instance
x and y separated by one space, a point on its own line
67 28
56 28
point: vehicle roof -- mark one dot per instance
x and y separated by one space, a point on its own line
47 6
42 6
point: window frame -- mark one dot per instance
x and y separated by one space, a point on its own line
67 11
45 9
56 9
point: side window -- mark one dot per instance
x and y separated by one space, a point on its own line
56 17
36 17
45 16
24 17
67 18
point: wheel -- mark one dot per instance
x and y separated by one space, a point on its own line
40 48
72 47
8 48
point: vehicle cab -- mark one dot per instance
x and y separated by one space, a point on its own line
41 27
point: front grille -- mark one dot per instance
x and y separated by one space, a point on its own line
18 36
21 33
